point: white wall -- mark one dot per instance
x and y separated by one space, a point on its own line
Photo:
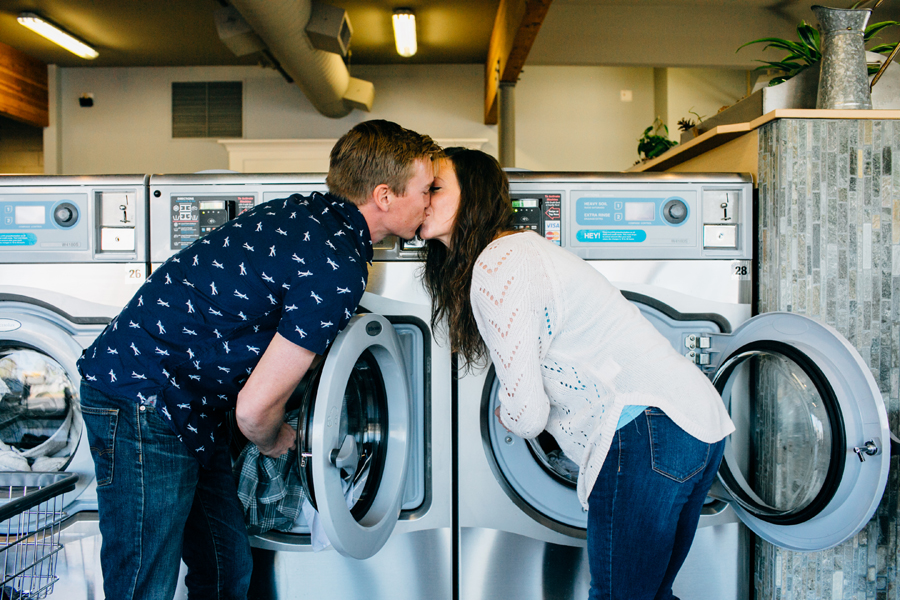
704 91
572 118
128 129
567 118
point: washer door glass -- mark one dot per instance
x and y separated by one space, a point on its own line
784 460
39 423
362 427
807 464
354 437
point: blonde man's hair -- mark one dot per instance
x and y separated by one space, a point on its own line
374 153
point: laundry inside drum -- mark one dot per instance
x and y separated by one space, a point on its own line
38 403
552 459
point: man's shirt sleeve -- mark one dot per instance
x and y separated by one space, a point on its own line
323 295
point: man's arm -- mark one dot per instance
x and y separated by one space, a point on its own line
260 404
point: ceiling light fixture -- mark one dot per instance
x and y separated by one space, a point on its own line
405 31
56 35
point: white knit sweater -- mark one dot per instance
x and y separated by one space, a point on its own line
570 352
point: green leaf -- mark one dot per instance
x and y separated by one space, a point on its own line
873 29
794 57
776 42
883 48
810 37
788 66
790 47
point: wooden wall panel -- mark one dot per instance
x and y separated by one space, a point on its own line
23 87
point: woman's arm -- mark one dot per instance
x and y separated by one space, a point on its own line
507 303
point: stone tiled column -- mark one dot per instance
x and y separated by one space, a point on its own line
829 248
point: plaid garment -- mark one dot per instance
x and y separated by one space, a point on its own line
269 488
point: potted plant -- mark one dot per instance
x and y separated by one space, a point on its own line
654 141
806 52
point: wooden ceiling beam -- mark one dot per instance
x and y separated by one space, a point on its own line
23 87
515 29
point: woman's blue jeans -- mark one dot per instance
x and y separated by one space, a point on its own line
644 508
158 506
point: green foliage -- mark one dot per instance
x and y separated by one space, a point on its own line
655 140
687 123
807 51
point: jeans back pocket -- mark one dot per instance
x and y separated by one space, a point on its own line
674 453
101 426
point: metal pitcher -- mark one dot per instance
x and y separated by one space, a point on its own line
843 75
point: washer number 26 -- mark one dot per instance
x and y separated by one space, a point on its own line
135 274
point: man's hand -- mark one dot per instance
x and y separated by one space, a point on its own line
286 440
260 404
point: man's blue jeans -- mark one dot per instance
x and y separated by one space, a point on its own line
159 506
644 508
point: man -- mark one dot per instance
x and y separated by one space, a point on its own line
231 322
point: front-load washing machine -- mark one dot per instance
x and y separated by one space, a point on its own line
384 389
807 465
73 250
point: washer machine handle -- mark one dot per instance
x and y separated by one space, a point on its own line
347 456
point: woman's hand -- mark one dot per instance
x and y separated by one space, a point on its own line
499 420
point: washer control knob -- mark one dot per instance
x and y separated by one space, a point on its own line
675 211
66 214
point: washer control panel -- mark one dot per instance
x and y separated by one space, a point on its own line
539 212
650 216
186 207
195 215
72 219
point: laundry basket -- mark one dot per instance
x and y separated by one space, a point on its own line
30 516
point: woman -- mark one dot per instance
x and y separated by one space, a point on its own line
576 359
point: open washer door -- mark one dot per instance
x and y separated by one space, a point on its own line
40 406
353 439
808 463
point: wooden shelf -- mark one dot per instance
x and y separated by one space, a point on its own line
723 134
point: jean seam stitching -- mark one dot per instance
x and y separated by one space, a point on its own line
140 442
613 514
215 540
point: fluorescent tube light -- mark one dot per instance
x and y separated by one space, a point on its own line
56 35
405 31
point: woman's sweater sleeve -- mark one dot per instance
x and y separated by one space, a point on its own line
507 305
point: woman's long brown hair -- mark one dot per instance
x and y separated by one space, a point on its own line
484 212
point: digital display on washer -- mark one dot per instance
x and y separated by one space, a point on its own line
212 205
30 215
640 211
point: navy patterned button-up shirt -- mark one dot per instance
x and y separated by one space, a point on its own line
189 339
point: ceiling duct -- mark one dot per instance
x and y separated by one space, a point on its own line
236 33
322 76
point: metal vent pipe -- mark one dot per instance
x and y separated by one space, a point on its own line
322 76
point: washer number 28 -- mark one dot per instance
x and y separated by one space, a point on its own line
741 271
